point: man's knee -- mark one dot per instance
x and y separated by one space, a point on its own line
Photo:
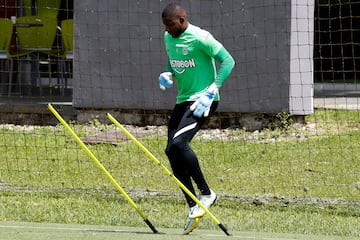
176 146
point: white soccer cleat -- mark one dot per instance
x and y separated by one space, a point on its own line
207 201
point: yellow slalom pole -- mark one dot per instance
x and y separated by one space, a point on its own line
102 168
167 171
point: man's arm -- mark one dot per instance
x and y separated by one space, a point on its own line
227 63
201 107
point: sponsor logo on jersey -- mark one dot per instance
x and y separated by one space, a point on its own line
181 65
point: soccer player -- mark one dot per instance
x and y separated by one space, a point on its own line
191 53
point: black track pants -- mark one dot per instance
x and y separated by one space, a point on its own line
182 127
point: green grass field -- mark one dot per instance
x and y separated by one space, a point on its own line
25 231
301 181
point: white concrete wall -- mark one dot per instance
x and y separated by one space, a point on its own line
301 57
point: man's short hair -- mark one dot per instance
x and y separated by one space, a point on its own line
172 10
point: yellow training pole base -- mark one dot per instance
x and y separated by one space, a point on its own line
102 168
167 171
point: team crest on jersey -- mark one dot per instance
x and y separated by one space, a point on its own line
185 50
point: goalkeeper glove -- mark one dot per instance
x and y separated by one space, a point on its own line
202 105
165 80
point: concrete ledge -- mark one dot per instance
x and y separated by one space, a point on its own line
250 121
33 111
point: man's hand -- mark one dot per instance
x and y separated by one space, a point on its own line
202 105
165 80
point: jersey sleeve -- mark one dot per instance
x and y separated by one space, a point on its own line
215 49
209 44
227 63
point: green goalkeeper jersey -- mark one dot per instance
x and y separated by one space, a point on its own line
191 60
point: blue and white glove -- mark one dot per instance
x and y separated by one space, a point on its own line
166 80
203 103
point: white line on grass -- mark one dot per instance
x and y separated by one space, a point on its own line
249 237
